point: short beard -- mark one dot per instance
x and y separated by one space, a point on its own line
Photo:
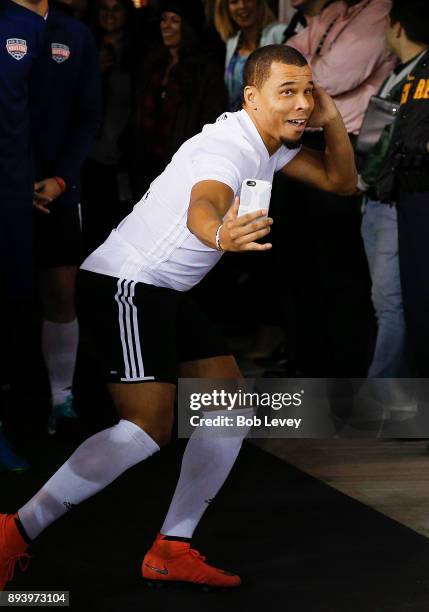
291 144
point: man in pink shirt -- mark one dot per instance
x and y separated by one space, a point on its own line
329 313
346 48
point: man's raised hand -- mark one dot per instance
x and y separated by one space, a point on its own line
238 234
325 110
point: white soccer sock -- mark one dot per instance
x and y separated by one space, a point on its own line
94 465
59 347
207 461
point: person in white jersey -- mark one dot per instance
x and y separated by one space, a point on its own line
133 304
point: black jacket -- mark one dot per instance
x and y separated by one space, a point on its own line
406 165
69 113
203 99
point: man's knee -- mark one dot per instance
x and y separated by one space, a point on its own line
148 405
159 430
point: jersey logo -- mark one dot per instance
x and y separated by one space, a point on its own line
60 53
422 90
16 47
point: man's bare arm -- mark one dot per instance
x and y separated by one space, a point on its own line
211 206
210 201
333 169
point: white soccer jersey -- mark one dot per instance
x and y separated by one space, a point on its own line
153 243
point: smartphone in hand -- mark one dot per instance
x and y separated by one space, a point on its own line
255 195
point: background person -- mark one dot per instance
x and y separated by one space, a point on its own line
244 25
305 10
321 245
346 45
178 90
63 136
404 176
21 81
379 224
106 190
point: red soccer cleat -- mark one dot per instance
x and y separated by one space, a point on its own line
12 549
175 561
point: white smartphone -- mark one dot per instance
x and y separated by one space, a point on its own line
255 195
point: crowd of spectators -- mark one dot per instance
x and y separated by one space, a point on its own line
138 83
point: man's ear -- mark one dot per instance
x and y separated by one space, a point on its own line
251 96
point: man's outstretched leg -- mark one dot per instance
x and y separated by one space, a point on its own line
147 415
207 461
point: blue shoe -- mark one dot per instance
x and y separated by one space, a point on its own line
61 413
9 460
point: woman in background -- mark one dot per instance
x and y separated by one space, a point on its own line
244 25
178 91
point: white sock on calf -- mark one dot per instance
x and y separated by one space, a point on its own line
94 465
59 347
208 458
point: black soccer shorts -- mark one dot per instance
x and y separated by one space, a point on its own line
58 236
138 332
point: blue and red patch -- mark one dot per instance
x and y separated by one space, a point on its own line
60 53
16 47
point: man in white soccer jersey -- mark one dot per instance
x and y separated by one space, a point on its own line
133 303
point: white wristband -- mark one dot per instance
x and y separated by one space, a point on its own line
217 239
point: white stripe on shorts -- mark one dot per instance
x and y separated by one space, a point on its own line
136 332
138 379
129 332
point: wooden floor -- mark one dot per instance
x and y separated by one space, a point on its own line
390 476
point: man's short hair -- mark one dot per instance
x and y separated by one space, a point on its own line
413 15
258 65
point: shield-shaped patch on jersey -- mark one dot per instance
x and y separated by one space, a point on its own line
16 47
60 53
